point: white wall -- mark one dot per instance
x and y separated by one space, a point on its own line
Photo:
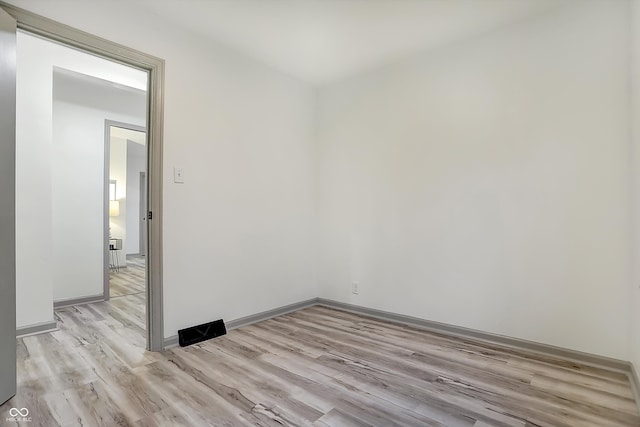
486 184
34 234
238 233
41 248
136 163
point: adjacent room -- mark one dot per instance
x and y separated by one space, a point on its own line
320 213
74 203
127 206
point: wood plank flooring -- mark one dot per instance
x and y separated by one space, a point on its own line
314 367
129 280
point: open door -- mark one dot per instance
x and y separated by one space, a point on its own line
7 207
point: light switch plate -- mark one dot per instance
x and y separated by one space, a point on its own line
178 175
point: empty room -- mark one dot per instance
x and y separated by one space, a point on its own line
320 213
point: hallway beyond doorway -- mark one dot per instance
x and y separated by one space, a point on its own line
129 280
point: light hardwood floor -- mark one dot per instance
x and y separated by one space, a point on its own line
129 280
317 366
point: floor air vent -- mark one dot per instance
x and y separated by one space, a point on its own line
196 334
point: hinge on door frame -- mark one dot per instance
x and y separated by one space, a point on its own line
150 215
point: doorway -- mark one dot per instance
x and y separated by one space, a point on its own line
33 24
85 92
12 20
125 262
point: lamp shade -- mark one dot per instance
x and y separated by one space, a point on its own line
114 208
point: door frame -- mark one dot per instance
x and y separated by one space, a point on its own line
142 235
57 32
107 166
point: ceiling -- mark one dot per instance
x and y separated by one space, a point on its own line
132 135
320 41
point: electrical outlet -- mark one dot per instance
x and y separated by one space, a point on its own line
354 288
